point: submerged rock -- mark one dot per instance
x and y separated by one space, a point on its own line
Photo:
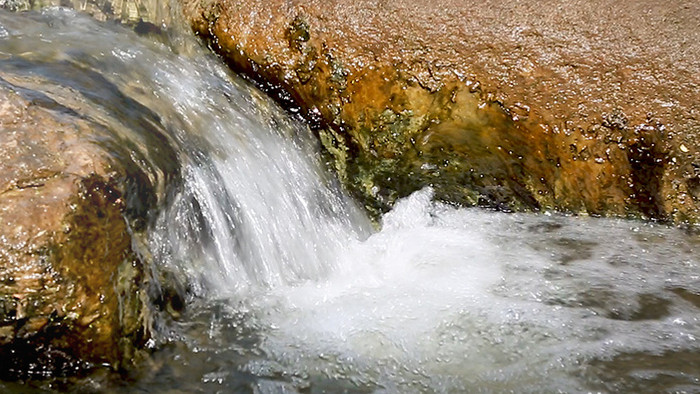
585 106
73 292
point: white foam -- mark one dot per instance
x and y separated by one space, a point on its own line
448 299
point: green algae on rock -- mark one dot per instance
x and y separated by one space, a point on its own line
512 105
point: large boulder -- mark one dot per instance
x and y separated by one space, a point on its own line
587 106
73 292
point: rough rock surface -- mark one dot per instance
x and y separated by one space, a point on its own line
72 290
587 106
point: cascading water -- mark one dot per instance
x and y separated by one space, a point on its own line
291 290
257 209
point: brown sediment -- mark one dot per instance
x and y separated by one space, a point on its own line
581 106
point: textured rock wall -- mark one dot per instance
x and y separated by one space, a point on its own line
582 106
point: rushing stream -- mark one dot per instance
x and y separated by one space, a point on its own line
289 288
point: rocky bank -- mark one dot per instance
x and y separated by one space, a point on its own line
581 106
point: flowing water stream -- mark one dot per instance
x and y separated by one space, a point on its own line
290 289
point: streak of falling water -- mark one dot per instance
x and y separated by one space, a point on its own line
290 290
258 208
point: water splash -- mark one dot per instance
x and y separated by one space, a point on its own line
445 299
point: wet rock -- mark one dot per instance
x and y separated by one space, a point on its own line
73 292
524 105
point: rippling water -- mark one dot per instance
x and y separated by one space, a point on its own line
288 288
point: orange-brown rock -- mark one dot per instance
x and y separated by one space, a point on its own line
72 290
586 106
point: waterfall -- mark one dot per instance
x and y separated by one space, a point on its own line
258 208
